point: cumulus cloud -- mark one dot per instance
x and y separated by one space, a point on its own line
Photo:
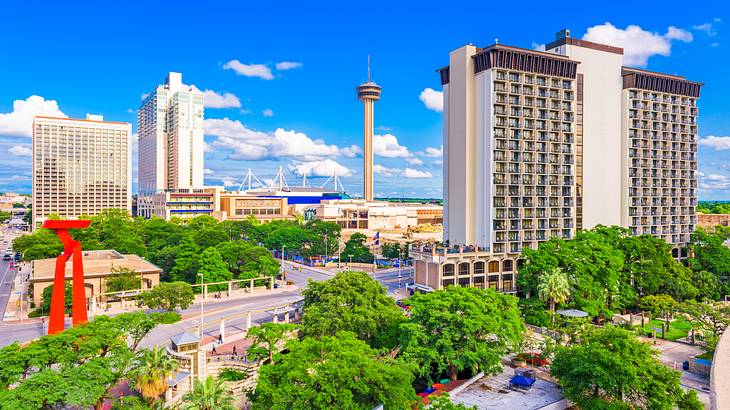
288 65
414 161
321 168
715 181
268 112
387 145
208 171
218 100
248 144
230 181
351 152
249 70
386 172
538 46
709 28
432 99
638 44
414 173
19 122
20 151
718 143
433 152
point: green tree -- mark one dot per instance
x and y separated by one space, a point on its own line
554 288
707 316
710 254
45 306
611 369
43 243
213 269
186 256
660 305
122 279
168 296
150 373
326 237
351 301
4 216
443 402
211 394
333 372
356 250
74 368
458 328
267 339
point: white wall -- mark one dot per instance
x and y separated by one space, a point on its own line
483 107
602 136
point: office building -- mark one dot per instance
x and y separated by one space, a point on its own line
171 146
80 166
538 145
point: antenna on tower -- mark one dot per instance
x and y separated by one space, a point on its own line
368 67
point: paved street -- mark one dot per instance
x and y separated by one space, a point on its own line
7 273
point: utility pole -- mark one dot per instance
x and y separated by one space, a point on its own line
283 269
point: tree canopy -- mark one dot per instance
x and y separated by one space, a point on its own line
612 369
333 372
356 250
459 328
168 296
351 301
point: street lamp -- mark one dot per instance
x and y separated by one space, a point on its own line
349 264
202 305
283 270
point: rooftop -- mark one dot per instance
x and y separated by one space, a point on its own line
96 263
493 393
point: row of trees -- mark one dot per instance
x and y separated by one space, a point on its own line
712 207
607 270
356 348
80 366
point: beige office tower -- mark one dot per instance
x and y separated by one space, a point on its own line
368 93
80 166
541 144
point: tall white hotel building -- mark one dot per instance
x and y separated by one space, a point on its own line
171 147
541 144
80 167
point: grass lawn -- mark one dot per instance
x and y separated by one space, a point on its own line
678 329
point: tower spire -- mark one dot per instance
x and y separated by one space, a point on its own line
368 67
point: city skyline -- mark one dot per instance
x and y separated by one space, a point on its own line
262 112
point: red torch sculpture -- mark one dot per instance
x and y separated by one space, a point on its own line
70 248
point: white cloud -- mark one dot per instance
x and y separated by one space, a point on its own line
19 122
230 181
715 181
249 70
382 128
386 172
20 151
288 65
433 152
217 100
708 28
208 171
414 161
351 152
268 112
538 46
718 143
638 44
248 144
322 168
414 173
387 146
432 99
143 96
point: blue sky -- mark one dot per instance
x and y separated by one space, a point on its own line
101 57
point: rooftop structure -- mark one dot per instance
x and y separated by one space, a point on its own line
368 92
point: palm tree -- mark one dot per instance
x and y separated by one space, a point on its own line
554 288
208 395
152 370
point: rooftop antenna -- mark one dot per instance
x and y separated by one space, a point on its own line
280 180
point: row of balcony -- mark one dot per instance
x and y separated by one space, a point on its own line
524 78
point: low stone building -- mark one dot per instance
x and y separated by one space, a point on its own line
98 266
708 221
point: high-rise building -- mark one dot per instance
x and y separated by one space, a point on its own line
540 144
368 92
171 147
80 166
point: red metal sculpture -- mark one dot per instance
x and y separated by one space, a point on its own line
70 248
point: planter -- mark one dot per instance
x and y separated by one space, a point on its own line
518 362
